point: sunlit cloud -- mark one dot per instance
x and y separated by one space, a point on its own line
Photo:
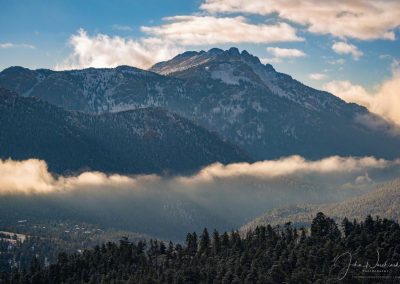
208 198
32 176
269 60
317 76
285 167
110 51
208 30
162 42
364 20
347 48
384 102
349 92
285 52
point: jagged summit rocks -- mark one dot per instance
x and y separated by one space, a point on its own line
191 59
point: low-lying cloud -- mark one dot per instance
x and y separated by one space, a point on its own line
32 176
219 196
286 167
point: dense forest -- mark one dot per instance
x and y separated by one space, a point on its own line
25 240
352 252
383 201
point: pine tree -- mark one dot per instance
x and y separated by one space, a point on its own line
204 242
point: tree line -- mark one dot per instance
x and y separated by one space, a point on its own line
352 252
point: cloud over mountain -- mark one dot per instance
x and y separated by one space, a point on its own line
169 206
162 42
203 30
352 19
32 176
103 50
317 76
384 102
285 52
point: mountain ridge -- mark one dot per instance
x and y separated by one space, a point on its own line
150 140
266 113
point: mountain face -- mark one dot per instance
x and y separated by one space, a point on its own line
382 202
267 113
149 140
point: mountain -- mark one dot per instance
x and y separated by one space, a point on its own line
382 202
267 113
150 140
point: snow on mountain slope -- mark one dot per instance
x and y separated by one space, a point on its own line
267 113
232 67
150 140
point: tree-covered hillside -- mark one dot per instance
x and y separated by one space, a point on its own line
150 140
25 240
354 252
383 201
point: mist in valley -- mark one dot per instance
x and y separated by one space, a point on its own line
219 196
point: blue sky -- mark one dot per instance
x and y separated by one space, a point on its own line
37 34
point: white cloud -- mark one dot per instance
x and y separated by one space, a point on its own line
286 167
363 179
110 51
216 191
385 102
349 92
339 61
32 177
364 20
285 52
267 60
16 45
165 41
347 48
208 30
122 28
317 76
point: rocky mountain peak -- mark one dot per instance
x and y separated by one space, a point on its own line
233 51
192 59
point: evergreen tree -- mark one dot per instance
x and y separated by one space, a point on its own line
265 255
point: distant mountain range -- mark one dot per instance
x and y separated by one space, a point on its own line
150 140
382 202
266 113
